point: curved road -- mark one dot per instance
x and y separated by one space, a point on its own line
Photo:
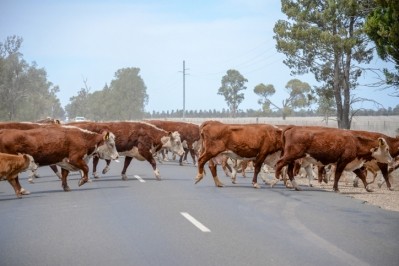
143 221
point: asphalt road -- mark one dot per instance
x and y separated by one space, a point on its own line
143 221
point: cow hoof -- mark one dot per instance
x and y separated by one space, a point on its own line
198 178
368 189
379 185
220 185
24 192
255 185
391 189
105 170
124 177
82 181
95 175
66 188
355 184
30 180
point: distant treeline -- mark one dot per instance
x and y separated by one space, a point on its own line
257 113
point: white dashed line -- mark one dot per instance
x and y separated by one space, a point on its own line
139 179
199 225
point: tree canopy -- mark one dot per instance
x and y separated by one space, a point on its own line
382 26
300 95
25 92
326 38
232 83
124 99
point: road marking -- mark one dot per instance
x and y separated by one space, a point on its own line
139 179
199 225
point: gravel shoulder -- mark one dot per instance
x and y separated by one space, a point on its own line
381 197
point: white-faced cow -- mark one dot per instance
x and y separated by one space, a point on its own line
65 146
250 141
11 165
138 140
344 148
189 134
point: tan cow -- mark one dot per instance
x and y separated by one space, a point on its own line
11 165
138 140
250 141
346 149
66 146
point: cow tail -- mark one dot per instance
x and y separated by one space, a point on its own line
283 138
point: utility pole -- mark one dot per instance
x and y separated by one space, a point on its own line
184 88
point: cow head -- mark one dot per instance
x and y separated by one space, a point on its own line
108 148
32 165
381 153
173 143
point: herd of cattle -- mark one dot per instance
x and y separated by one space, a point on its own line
26 145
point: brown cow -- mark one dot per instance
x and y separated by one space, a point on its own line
250 141
31 125
189 134
66 146
136 139
11 165
344 148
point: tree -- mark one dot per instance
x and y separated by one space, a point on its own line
327 39
300 95
79 105
232 83
382 26
25 92
265 91
129 94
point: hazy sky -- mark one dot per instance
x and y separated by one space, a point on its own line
79 40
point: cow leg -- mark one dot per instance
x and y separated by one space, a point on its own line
144 151
337 175
212 168
385 173
192 153
202 160
126 164
64 183
96 159
13 182
309 173
290 172
321 174
360 173
55 170
257 167
107 167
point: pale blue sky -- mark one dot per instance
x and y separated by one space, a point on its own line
77 40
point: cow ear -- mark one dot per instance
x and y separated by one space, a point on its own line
170 133
382 141
106 136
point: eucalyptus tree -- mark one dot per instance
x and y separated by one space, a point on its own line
299 96
232 83
327 39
